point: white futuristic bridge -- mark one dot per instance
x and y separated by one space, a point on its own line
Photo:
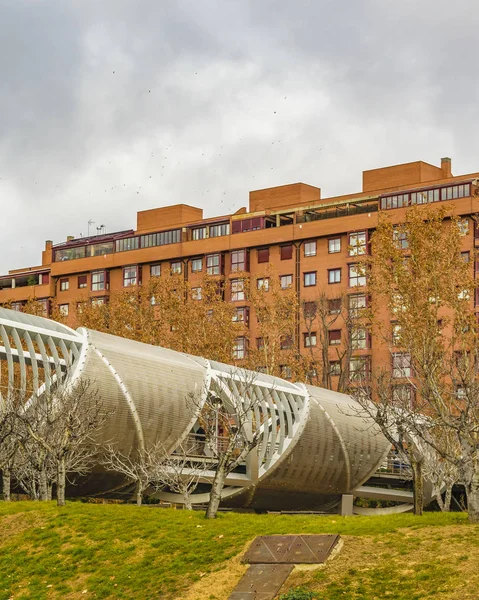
314 445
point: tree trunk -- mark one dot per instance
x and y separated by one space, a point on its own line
6 484
187 501
447 498
61 477
216 489
440 501
50 491
42 484
139 494
418 483
472 493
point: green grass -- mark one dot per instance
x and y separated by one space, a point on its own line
119 551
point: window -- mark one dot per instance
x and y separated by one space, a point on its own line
335 368
176 267
309 310
263 284
127 244
239 261
334 245
64 285
359 338
199 233
359 368
309 339
98 281
403 395
239 350
263 255
286 371
286 342
130 276
196 293
401 365
99 249
260 343
357 276
196 265
160 239
248 224
286 252
334 306
80 307
401 239
155 270
426 196
63 308
309 279
452 192
82 282
357 243
396 334
465 256
219 230
335 337
463 225
237 290
356 304
44 304
399 200
241 315
70 253
17 306
398 305
98 301
334 275
213 264
310 248
286 281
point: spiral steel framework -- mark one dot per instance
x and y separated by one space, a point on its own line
314 444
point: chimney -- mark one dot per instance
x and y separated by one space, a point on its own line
70 238
446 167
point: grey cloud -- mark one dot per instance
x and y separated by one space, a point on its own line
111 107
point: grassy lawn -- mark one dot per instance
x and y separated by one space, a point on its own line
118 551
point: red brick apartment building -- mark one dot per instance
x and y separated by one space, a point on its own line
305 238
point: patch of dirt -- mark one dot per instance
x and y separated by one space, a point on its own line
219 584
12 525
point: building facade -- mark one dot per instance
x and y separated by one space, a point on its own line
311 242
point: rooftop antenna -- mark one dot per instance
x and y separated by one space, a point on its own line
90 222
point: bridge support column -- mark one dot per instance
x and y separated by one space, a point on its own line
346 507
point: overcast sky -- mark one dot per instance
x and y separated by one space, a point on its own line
108 107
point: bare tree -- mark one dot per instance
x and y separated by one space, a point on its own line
321 316
420 273
231 419
442 473
8 440
391 411
180 472
138 465
60 427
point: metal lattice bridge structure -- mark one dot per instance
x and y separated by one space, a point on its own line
315 446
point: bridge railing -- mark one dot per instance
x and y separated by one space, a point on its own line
196 445
395 465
